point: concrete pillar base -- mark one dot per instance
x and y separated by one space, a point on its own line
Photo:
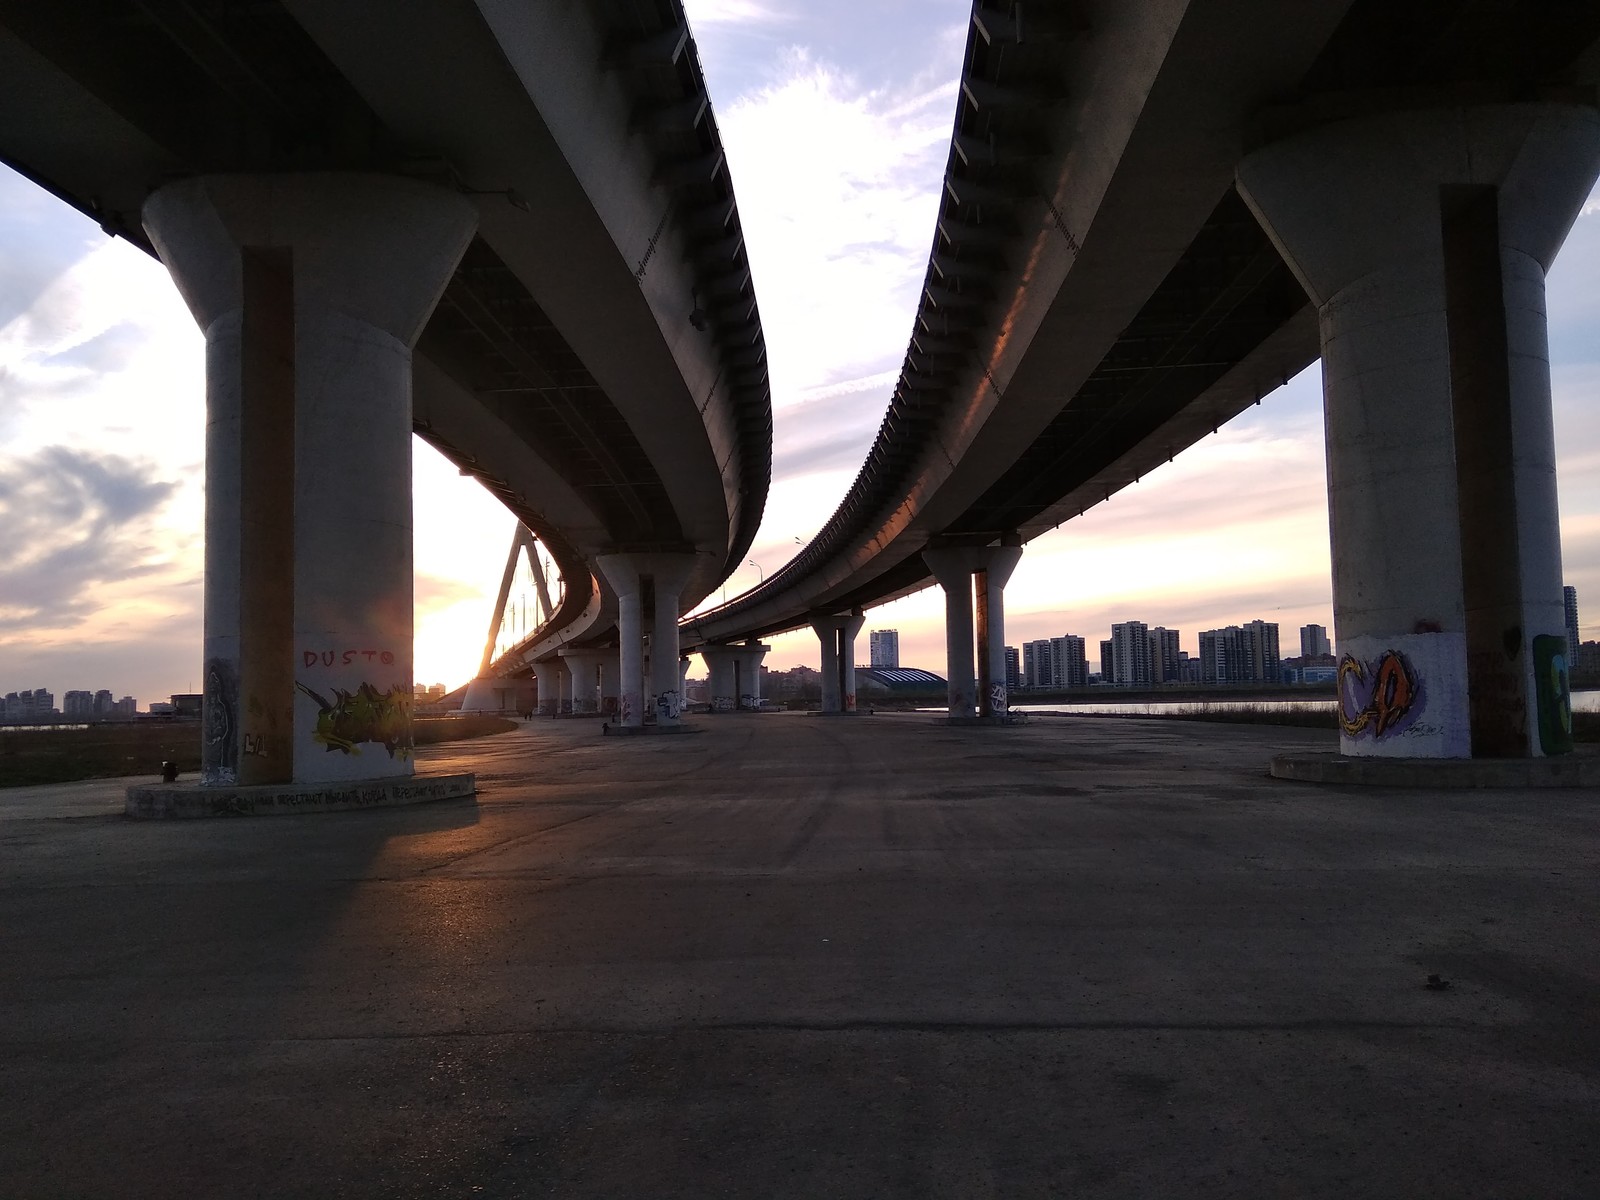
1568 771
185 800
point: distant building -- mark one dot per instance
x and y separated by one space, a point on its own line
28 706
1013 669
77 704
104 703
1314 641
1054 663
1241 654
1130 654
126 707
885 647
1108 662
901 681
1164 654
1188 668
1569 596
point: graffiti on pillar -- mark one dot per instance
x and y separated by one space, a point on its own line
722 703
364 715
345 658
668 706
219 722
748 702
1380 698
849 702
1552 683
630 703
997 699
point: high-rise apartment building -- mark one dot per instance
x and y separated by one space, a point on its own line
1240 654
1569 597
1037 671
1108 661
77 704
1130 653
1314 641
1054 662
884 646
1068 663
1013 669
1164 655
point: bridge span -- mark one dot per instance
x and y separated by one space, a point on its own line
1156 213
509 227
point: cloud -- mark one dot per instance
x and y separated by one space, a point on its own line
704 14
71 522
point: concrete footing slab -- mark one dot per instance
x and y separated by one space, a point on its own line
645 730
163 800
1566 771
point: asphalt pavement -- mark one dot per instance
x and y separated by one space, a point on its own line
793 956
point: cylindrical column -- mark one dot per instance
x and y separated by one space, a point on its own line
721 670
827 631
750 657
583 667
610 675
998 562
848 628
953 567
666 573
1423 238
311 289
548 674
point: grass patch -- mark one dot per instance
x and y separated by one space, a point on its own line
110 751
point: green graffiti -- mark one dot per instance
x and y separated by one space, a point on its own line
365 715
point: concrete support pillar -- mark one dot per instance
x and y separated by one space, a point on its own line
583 667
990 581
748 682
1423 238
548 675
954 567
610 683
663 575
847 659
311 289
836 652
722 671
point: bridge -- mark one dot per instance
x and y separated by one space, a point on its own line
1155 214
511 227
508 227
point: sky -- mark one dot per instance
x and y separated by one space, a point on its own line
836 119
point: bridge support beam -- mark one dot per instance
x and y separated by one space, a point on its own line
748 678
660 576
734 675
548 674
1423 238
583 669
838 638
977 684
311 289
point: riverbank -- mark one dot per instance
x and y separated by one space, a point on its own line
35 756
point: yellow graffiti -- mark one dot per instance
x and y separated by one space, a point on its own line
365 715
1394 691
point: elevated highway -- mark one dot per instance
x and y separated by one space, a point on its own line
1100 295
583 336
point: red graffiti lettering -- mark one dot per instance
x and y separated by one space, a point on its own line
369 654
310 658
348 657
327 658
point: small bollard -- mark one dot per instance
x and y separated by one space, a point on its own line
169 772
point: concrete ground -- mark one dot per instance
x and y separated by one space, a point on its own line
788 956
